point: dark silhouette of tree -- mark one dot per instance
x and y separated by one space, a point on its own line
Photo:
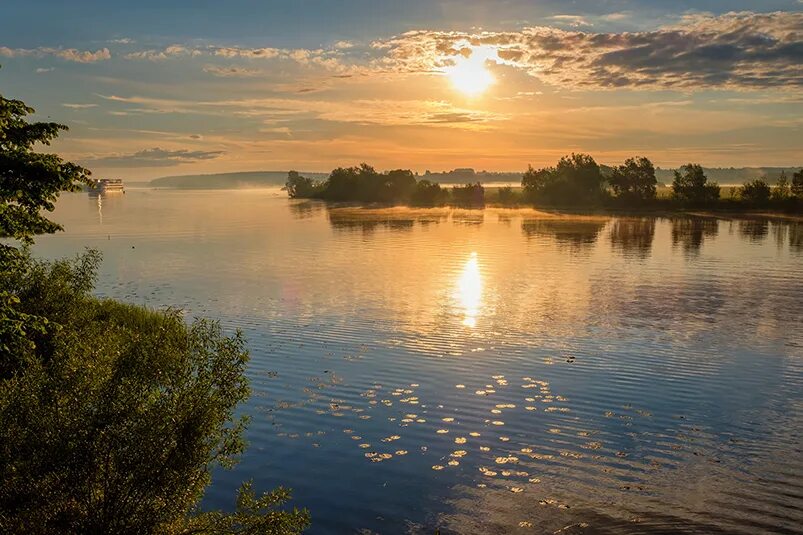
428 193
797 184
692 187
781 192
398 185
507 197
30 182
756 192
576 179
634 181
469 196
301 187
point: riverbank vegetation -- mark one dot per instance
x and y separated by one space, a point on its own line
112 416
577 181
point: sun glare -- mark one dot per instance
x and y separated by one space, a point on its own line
469 291
469 75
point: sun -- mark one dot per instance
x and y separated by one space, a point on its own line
470 76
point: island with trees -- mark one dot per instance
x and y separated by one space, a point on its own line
577 181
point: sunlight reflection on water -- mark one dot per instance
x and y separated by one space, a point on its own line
469 291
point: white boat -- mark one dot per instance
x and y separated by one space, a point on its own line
106 185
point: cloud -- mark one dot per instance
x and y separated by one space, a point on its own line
230 72
311 57
79 106
735 51
67 54
364 111
155 157
575 21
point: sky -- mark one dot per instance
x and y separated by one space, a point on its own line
163 88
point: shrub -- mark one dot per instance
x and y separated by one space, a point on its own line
756 192
692 187
112 416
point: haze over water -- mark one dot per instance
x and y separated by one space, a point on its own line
486 371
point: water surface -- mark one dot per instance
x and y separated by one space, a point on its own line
492 371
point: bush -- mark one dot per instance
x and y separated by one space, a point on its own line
756 192
576 180
428 193
301 187
112 416
634 181
691 186
469 196
507 197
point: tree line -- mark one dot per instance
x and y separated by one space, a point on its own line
577 180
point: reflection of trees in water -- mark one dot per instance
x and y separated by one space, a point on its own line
796 236
369 221
469 218
633 237
576 234
504 219
305 209
754 229
690 232
790 233
369 224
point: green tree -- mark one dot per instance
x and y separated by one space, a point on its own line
300 187
576 179
428 193
112 416
30 182
781 191
797 184
634 181
692 187
469 196
756 192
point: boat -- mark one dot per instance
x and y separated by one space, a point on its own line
105 185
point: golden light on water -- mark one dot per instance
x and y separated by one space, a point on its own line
469 291
469 75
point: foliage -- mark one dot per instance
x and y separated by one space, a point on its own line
364 183
576 179
112 416
781 192
692 187
30 181
428 193
470 195
301 187
506 196
797 184
634 181
756 192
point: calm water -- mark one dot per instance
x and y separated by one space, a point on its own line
487 372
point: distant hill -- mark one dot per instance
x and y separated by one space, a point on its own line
247 179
